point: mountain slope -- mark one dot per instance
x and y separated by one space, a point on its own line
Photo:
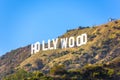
103 47
12 59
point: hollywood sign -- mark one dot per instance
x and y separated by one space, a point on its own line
65 43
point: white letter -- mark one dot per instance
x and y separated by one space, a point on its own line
55 43
84 37
35 48
64 42
79 40
49 47
71 42
43 46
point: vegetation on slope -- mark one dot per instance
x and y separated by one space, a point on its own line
102 47
98 59
11 60
59 72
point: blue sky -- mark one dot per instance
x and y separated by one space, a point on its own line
23 22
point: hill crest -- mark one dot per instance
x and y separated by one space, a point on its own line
103 46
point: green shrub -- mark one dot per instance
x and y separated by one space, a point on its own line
38 74
110 72
19 75
58 70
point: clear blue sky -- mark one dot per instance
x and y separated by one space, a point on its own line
23 22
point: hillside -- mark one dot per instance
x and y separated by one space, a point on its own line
103 46
102 49
12 59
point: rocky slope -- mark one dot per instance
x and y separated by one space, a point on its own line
11 60
103 47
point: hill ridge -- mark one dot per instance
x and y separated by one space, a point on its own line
103 47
